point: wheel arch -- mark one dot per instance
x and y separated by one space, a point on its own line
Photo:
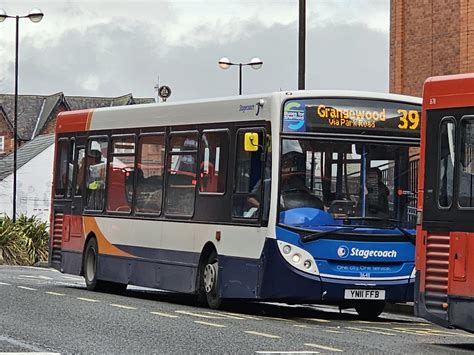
208 248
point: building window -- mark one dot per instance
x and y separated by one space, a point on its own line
213 169
121 174
96 162
149 189
2 144
181 174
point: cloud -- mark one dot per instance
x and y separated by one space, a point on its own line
118 57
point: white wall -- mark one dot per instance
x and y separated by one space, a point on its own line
34 181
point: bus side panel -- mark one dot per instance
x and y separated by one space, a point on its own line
239 277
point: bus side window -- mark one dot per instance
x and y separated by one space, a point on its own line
96 162
80 168
181 174
213 169
149 188
248 179
121 174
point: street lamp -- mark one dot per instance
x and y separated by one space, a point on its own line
225 63
35 15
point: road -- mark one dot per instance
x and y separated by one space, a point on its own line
43 310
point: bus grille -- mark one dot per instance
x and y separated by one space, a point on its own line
57 239
436 274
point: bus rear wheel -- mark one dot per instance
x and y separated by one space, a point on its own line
370 310
210 281
91 265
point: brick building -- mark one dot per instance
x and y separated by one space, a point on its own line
427 38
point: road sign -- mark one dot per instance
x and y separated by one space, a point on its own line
164 92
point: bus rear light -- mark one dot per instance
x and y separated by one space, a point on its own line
445 306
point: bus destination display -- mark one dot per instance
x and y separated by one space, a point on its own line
359 115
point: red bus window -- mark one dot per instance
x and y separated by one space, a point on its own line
96 162
62 156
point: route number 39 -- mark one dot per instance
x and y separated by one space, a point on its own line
409 119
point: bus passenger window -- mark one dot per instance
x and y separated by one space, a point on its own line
213 162
96 161
121 175
446 163
466 164
61 167
80 168
181 175
149 189
248 179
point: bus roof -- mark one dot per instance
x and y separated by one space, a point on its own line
448 91
212 110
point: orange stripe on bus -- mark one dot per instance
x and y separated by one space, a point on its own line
73 121
105 247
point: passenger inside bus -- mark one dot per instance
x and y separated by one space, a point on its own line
376 194
294 192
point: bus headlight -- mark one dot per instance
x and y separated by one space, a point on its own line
413 273
298 257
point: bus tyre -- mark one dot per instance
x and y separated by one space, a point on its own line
91 262
370 310
210 274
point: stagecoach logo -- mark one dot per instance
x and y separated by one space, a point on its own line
343 251
294 116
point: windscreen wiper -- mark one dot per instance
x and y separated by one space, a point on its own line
393 223
318 234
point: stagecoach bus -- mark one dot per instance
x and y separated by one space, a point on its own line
301 197
444 292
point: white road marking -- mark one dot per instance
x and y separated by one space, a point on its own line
332 331
210 324
222 315
262 334
27 288
87 299
55 293
288 352
122 306
370 331
165 315
37 277
246 316
300 325
5 283
197 315
319 320
77 278
323 347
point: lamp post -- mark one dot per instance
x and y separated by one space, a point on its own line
35 15
225 63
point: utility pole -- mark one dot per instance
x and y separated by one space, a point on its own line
302 45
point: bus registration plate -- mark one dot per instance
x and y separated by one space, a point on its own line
362 294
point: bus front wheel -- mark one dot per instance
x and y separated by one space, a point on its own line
210 281
370 310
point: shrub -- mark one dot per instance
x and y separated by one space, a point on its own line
24 242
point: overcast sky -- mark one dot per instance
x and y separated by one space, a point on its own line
111 48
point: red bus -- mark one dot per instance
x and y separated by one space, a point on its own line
444 288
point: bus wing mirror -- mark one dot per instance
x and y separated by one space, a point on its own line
251 142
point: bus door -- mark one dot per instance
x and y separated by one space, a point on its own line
79 162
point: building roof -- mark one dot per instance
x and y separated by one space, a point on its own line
25 153
34 111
